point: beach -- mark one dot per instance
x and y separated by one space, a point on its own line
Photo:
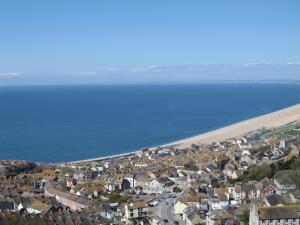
270 120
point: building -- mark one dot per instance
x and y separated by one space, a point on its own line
275 215
284 185
159 185
179 207
191 216
71 201
273 200
266 187
36 207
220 216
136 210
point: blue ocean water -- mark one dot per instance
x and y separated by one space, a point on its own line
65 123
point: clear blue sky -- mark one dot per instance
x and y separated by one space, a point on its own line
69 36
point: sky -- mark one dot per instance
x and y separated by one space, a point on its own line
110 41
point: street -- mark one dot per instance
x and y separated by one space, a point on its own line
165 210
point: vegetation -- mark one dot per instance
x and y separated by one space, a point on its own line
258 173
292 174
16 219
293 132
191 165
116 197
244 218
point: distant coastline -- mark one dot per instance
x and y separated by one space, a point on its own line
271 120
179 82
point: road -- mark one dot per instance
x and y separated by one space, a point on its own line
165 210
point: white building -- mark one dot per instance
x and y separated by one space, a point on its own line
159 185
136 210
179 207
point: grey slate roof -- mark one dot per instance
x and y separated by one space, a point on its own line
279 212
274 199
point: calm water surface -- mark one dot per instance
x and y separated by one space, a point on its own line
65 123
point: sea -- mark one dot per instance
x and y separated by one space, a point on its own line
67 123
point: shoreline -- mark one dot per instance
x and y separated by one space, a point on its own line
274 119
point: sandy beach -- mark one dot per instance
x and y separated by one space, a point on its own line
274 119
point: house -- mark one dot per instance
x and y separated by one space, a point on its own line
223 197
136 210
191 197
249 191
275 215
220 216
266 187
191 216
282 144
106 212
235 192
142 179
6 203
179 207
71 201
273 200
159 185
131 180
37 207
110 185
24 202
215 203
284 185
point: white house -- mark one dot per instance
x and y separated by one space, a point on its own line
136 210
36 207
131 180
159 185
179 207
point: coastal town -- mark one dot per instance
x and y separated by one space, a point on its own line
250 179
